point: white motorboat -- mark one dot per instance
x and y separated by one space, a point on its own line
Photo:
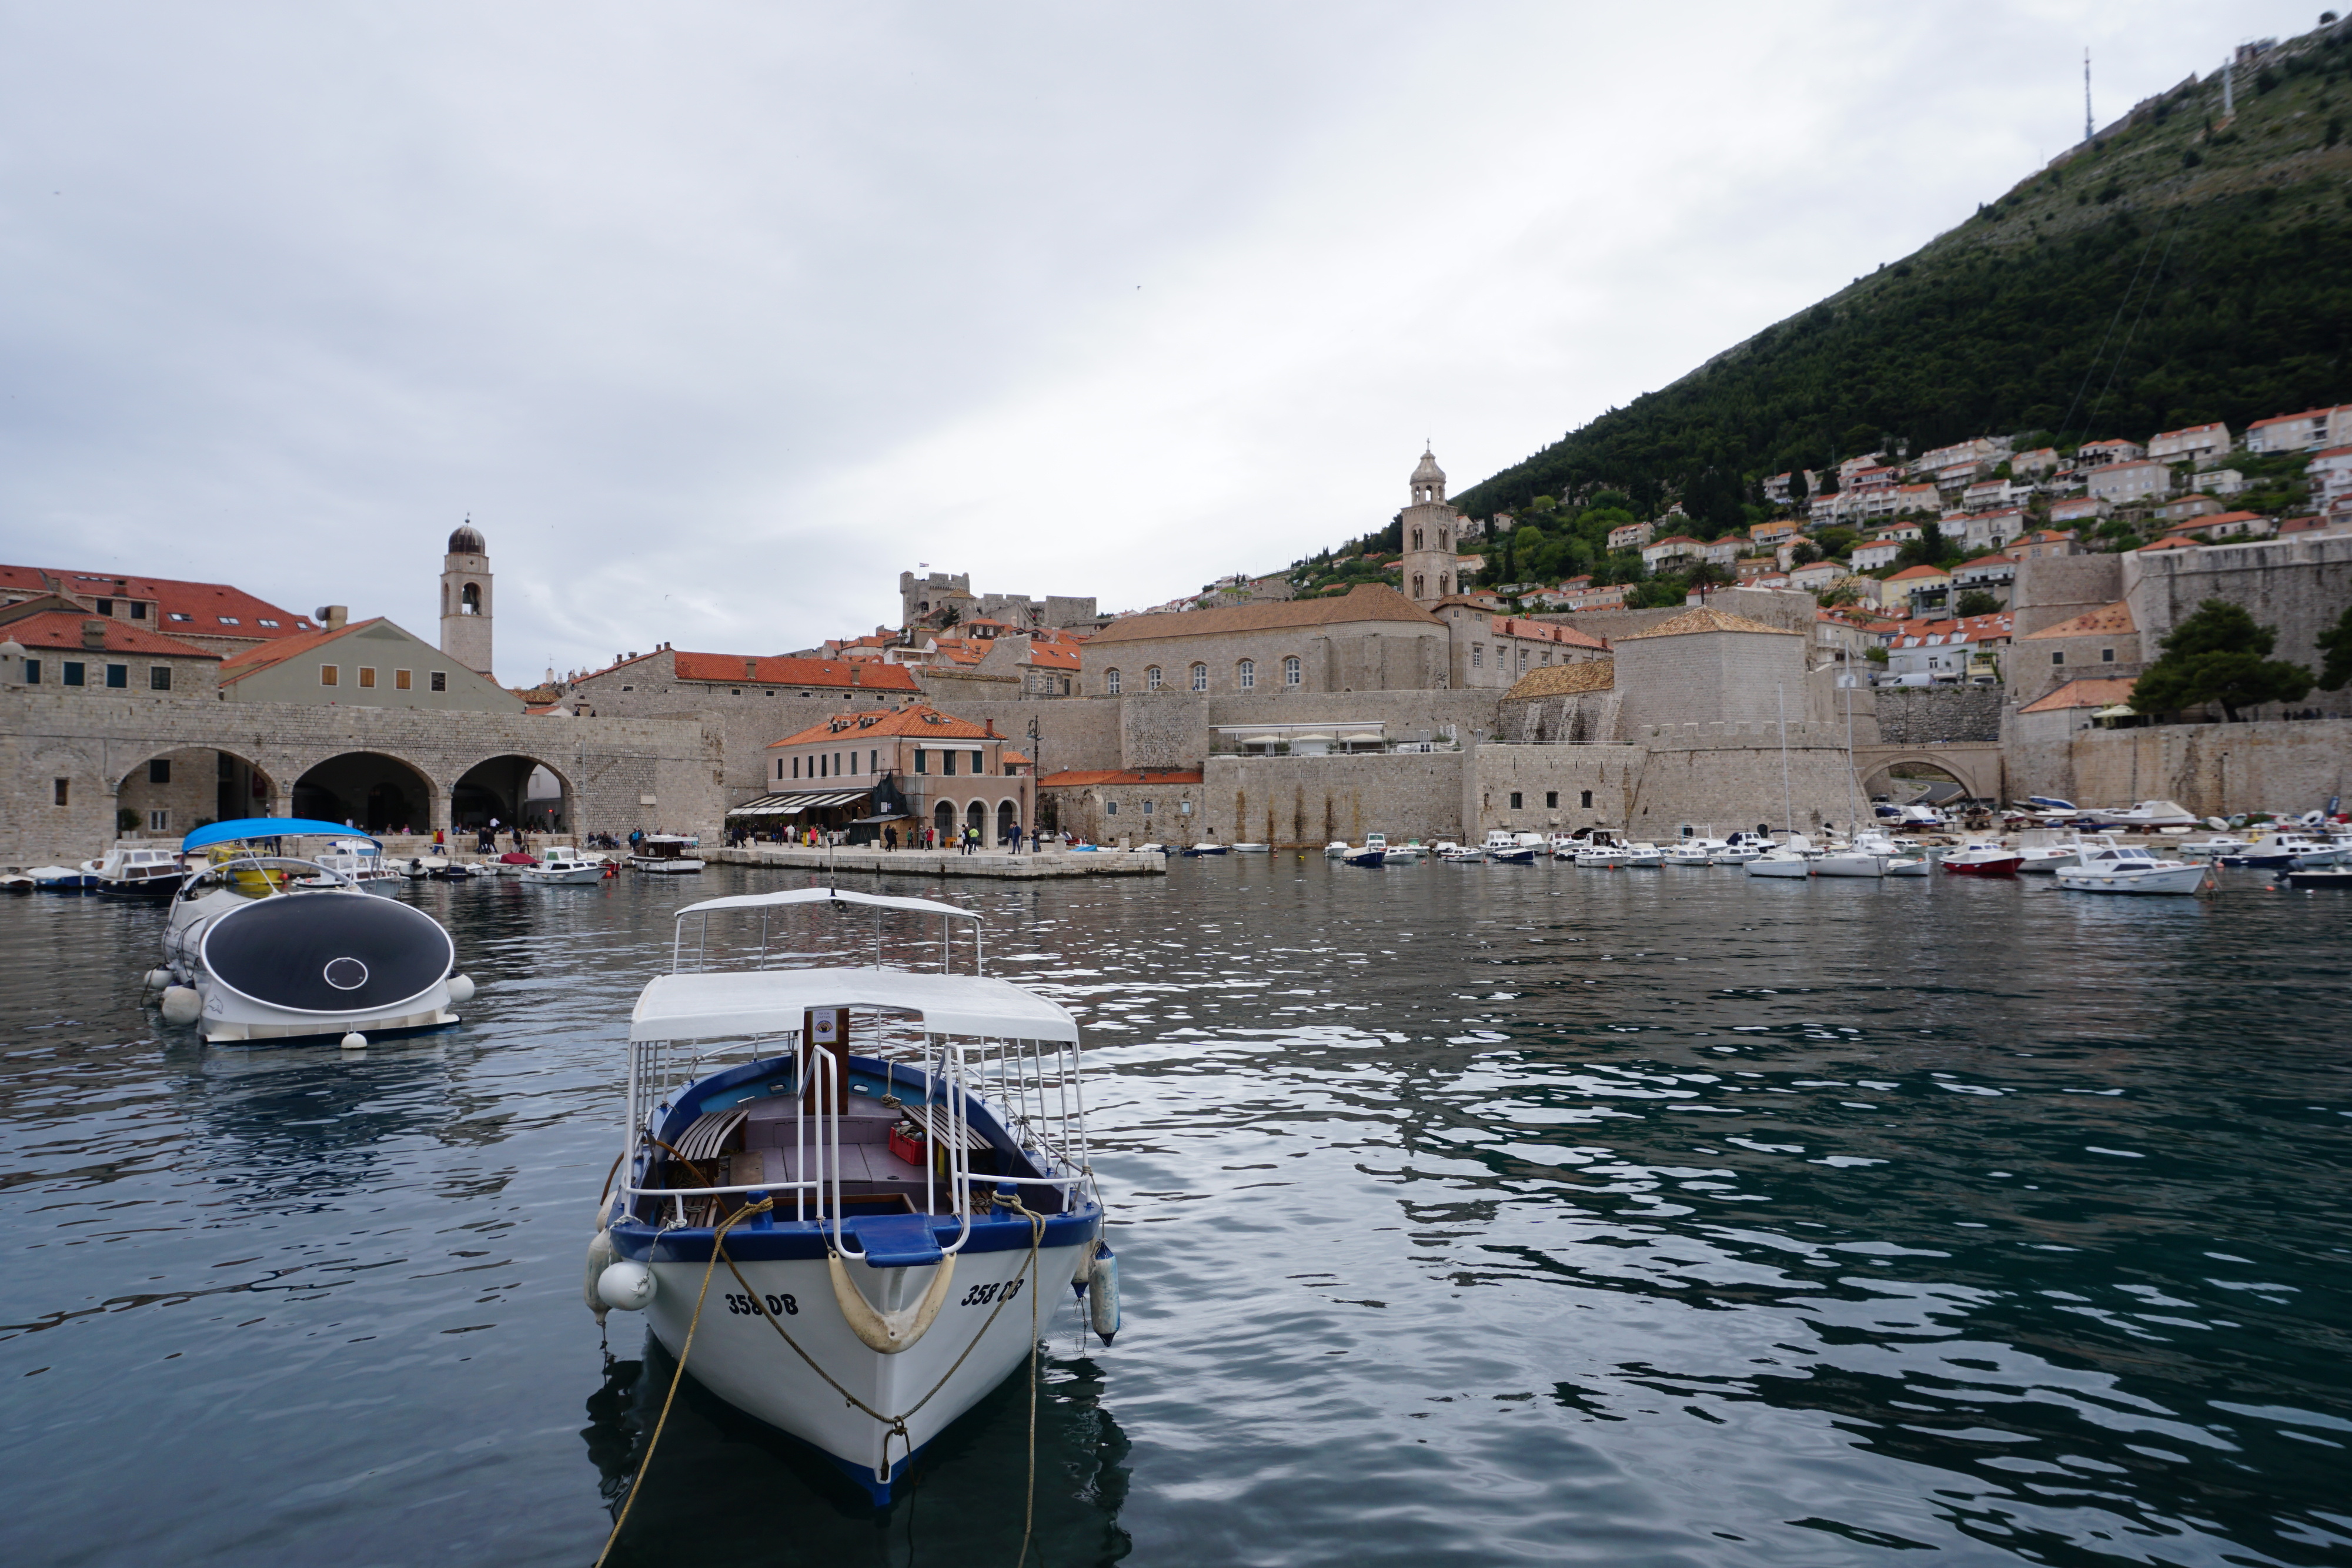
664 854
2285 850
1792 857
2040 851
1642 855
1603 855
2145 814
561 868
139 871
1449 851
1406 854
1249 849
1741 848
863 1224
1337 850
2220 844
62 878
357 860
1696 851
1851 860
263 946
1505 848
2128 868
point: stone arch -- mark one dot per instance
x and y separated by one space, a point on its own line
975 815
379 790
1007 816
500 785
197 782
1979 775
943 820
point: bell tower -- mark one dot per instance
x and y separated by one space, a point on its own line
1431 529
465 600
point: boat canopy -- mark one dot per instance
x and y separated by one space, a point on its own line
771 1001
248 828
825 895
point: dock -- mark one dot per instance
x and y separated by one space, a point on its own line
999 864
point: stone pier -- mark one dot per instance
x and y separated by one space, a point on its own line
944 862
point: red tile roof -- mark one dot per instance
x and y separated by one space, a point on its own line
2104 620
747 669
187 609
253 661
1118 776
918 721
1910 573
2103 691
61 630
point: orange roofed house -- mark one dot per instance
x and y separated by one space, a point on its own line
906 768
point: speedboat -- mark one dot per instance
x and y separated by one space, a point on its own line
849 1199
665 855
1198 849
1249 849
2281 851
1792 857
1696 851
1406 854
62 879
263 946
1981 857
139 871
1449 851
2220 844
2040 851
1337 850
2337 878
2146 814
2128 868
1644 855
561 868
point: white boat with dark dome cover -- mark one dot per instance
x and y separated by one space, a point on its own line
857 1190
265 945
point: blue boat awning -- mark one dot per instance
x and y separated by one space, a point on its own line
246 828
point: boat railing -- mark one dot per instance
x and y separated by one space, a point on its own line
766 904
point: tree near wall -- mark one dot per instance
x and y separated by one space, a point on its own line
2217 655
1976 601
2336 644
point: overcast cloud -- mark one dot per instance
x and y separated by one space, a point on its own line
716 318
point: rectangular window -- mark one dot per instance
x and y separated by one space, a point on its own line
118 677
402 680
779 769
2059 657
367 677
159 822
796 767
1110 808
2106 656
837 762
441 681
1588 800
922 760
1551 800
106 607
979 767
1515 799
1147 808
874 762
75 672
950 768
159 677
32 672
329 675
138 611
160 770
61 792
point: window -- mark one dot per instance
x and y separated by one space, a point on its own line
230 620
75 672
60 791
977 766
1290 671
106 607
2106 656
32 672
367 677
1515 799
1523 660
159 677
1199 677
441 682
118 677
265 620
1588 800
779 769
1478 655
138 611
949 766
1151 679
1551 800
329 675
874 762
402 680
159 822
1110 682
178 615
1245 675
1110 808
922 760
1147 808
160 770
2059 657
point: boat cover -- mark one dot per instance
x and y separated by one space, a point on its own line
246 828
770 1001
329 952
825 895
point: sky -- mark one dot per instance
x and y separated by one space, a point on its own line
715 317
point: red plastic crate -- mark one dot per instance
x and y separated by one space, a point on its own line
909 1143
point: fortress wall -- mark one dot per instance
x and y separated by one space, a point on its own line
2299 586
1552 783
1731 776
2214 769
1310 801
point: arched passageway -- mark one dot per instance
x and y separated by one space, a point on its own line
1904 783
511 788
943 821
369 790
1006 818
975 817
186 787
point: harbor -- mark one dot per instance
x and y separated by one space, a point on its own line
998 863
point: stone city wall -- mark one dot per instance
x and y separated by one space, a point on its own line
1791 610
1928 715
2299 586
1157 810
1311 801
2214 769
1732 776
617 774
1549 789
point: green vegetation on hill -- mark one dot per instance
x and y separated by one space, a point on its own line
2174 272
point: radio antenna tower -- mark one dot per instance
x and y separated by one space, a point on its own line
2086 93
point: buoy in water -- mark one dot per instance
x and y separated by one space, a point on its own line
354 1040
156 979
625 1285
1102 1293
461 989
180 1004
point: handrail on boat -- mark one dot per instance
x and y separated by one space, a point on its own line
834 895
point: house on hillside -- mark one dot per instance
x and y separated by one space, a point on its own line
1630 536
1658 553
2130 480
2102 454
2197 443
2310 430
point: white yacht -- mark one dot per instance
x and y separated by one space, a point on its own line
2128 868
850 1198
1696 851
563 868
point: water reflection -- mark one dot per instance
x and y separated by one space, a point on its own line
725 1488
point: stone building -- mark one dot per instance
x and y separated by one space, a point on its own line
1706 667
211 615
1371 639
465 600
1487 648
361 664
943 599
1431 529
942 772
1136 805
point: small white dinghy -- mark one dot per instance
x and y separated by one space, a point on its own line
862 1224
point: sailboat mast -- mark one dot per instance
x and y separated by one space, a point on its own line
1788 809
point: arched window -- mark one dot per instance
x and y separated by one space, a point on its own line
1416 584
1442 578
1245 675
1440 540
1110 682
1416 539
1199 677
470 601
1151 679
1290 671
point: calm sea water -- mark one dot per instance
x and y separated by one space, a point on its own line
1466 1215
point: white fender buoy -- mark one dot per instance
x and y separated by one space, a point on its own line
461 989
889 1333
354 1040
156 979
182 1004
1083 1272
625 1285
601 1257
1102 1293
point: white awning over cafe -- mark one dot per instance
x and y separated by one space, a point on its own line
793 802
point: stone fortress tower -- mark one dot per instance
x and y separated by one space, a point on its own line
465 600
1431 527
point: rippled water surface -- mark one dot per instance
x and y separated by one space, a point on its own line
1466 1215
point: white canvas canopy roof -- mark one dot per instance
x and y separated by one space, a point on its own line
825 896
770 1001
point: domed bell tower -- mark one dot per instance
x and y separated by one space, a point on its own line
465 600
1431 528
